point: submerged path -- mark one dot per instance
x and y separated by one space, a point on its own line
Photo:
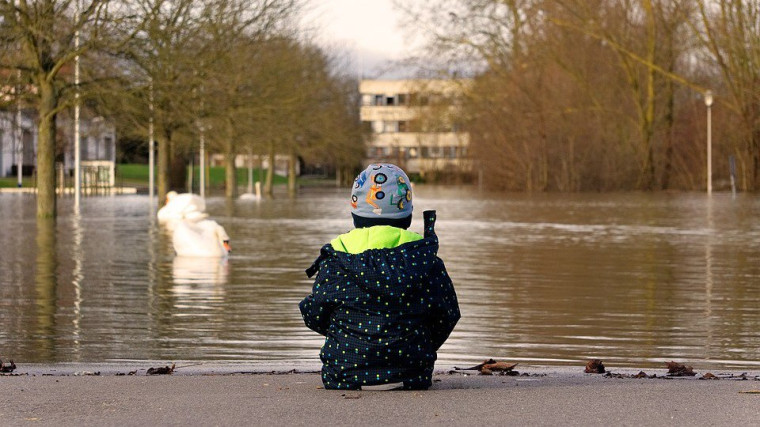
207 394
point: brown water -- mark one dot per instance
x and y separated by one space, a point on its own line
632 279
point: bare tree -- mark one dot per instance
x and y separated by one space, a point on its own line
730 31
41 35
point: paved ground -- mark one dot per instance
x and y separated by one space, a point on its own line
207 394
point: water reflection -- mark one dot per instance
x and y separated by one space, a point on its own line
46 285
78 273
633 279
203 272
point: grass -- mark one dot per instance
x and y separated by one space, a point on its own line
12 182
131 174
136 175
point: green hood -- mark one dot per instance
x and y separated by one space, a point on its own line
359 240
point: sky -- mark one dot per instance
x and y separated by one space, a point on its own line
368 29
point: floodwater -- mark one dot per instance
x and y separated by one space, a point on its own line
545 279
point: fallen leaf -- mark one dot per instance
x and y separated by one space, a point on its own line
161 371
500 366
679 370
750 392
709 376
7 368
594 366
490 365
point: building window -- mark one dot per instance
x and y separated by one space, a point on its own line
366 99
83 149
390 101
379 99
108 148
377 126
28 139
403 126
391 127
402 99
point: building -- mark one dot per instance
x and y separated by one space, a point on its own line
18 139
18 142
416 125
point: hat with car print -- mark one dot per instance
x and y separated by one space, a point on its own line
382 195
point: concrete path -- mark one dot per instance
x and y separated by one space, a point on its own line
70 395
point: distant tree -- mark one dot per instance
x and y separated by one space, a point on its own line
39 44
730 32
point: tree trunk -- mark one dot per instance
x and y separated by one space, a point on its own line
162 174
46 198
293 158
270 170
230 177
177 168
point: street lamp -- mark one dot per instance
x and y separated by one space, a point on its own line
708 103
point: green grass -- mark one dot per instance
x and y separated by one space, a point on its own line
12 182
137 175
131 174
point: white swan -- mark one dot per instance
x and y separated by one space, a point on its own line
204 238
178 207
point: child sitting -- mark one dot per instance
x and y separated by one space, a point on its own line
382 297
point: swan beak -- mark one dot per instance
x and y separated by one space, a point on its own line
227 246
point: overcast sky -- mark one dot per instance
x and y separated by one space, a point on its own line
366 28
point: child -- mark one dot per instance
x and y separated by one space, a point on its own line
382 297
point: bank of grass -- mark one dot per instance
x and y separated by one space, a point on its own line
12 182
136 175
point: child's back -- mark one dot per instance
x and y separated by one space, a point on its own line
382 298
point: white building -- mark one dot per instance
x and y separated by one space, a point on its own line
415 124
18 141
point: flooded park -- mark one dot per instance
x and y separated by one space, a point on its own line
635 279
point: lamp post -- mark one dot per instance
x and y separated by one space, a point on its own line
708 103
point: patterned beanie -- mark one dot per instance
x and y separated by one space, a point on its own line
381 195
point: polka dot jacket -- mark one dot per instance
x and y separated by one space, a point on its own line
384 313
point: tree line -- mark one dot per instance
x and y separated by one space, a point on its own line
240 74
601 95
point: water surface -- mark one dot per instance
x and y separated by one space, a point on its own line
551 279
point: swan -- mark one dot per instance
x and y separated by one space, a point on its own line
185 206
205 238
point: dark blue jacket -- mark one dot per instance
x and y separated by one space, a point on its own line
384 312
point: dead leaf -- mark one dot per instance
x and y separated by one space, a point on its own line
490 365
750 392
7 368
709 376
161 371
594 366
679 370
500 366
643 374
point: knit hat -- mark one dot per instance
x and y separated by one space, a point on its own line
382 195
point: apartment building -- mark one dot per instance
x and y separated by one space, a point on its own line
18 145
416 125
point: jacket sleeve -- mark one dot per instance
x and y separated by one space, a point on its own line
445 307
317 307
